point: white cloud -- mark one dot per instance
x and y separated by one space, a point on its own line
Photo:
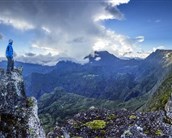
103 16
46 50
140 39
141 53
137 54
98 58
158 47
47 30
69 29
111 11
47 59
16 23
115 43
117 2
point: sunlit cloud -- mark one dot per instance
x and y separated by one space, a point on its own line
115 43
73 30
16 23
111 11
117 2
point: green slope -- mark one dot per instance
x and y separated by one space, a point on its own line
158 100
59 105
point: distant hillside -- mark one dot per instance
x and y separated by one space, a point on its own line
104 77
152 72
158 99
107 78
59 105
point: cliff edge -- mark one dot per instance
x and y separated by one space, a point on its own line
18 113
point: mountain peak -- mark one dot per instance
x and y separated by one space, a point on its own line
101 55
162 52
160 56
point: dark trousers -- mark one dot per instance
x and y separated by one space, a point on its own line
10 65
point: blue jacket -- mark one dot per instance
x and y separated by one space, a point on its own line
9 51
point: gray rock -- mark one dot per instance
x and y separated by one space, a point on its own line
119 124
18 113
168 108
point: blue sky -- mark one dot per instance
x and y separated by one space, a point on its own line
150 18
47 31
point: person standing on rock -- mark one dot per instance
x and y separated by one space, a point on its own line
9 56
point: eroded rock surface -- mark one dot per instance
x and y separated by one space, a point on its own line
18 113
115 124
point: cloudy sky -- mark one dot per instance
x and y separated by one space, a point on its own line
45 31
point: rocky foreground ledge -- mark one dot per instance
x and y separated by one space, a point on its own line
18 113
96 123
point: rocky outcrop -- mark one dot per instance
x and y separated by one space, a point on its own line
115 124
18 114
168 108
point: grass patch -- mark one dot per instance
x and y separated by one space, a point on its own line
96 124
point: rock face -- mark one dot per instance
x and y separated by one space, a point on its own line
168 108
18 114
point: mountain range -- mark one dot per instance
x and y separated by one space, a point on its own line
104 77
106 81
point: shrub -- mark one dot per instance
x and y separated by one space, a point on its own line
111 117
30 102
96 124
159 132
132 117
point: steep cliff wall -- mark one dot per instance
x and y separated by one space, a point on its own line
18 113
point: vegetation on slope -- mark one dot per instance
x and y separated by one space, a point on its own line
96 124
59 105
161 96
114 124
